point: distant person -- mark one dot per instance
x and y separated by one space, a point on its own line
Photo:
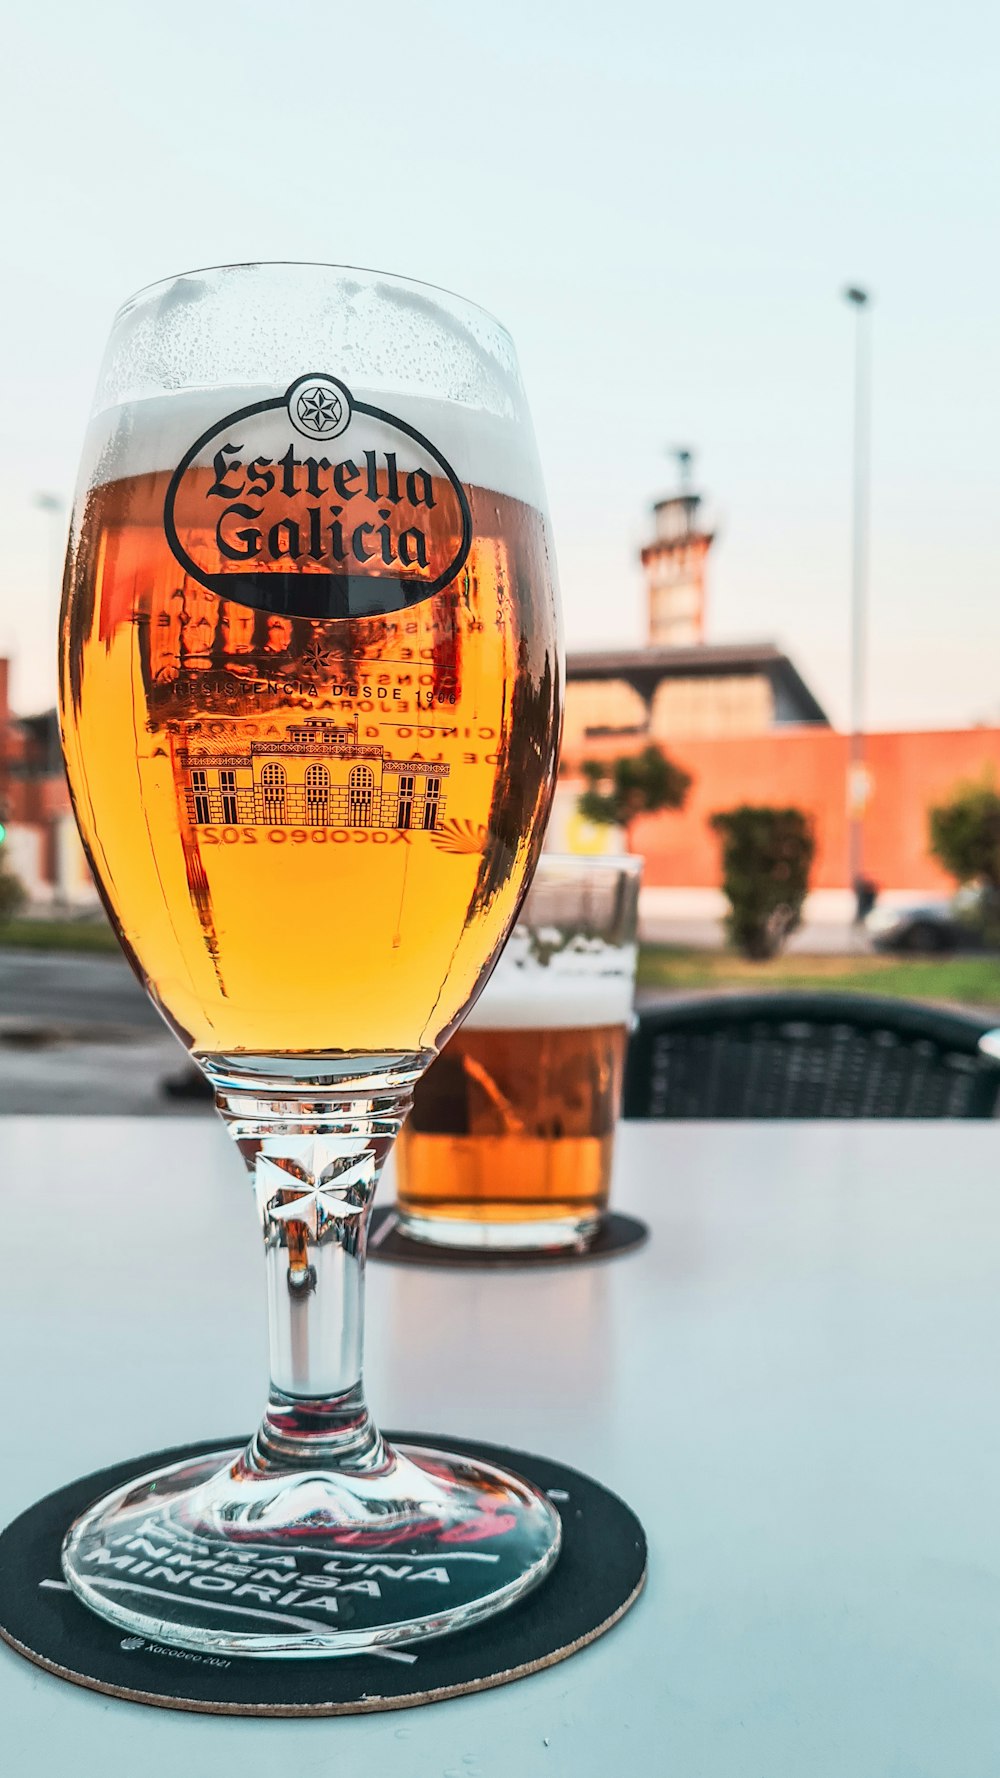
865 897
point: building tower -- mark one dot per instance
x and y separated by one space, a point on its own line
675 564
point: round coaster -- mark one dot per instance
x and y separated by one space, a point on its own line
616 1234
599 1574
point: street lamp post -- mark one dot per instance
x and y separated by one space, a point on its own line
54 508
857 774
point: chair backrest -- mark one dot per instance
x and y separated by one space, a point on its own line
807 1056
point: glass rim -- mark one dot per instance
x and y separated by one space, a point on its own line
313 265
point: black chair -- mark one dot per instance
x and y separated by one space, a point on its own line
808 1056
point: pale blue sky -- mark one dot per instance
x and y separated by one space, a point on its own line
661 201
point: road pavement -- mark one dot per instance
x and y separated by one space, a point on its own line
71 989
78 1034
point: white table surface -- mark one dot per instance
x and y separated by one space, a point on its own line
794 1384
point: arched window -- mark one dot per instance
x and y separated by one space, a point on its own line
360 796
272 786
317 796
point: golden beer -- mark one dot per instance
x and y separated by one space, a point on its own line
514 1127
305 826
510 1139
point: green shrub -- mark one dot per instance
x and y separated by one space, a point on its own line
12 896
965 834
766 858
965 838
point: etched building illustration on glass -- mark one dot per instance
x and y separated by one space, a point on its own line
317 774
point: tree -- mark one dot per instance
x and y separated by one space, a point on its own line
965 834
619 790
965 838
766 858
12 896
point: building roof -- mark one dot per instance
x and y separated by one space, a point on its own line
41 728
644 668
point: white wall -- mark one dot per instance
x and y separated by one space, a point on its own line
24 851
74 883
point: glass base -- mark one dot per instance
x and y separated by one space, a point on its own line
500 1237
219 1556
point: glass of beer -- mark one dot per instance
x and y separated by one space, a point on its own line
310 694
509 1142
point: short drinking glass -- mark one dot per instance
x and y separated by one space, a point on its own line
509 1143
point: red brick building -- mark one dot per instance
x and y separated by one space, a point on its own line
807 767
41 846
740 719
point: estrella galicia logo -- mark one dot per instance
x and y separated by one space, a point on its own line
313 504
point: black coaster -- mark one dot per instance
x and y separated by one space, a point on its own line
599 1574
616 1234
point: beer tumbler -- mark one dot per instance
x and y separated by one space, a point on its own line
509 1142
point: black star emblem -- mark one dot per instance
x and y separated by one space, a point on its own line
317 655
319 408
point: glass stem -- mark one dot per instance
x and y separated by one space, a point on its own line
315 1150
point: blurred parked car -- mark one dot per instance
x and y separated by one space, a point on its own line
969 921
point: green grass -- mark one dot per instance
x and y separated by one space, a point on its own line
961 981
94 935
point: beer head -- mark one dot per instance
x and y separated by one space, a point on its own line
151 434
570 962
529 1000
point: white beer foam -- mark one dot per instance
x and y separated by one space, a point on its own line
152 435
538 999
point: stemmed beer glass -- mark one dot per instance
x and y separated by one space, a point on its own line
310 692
